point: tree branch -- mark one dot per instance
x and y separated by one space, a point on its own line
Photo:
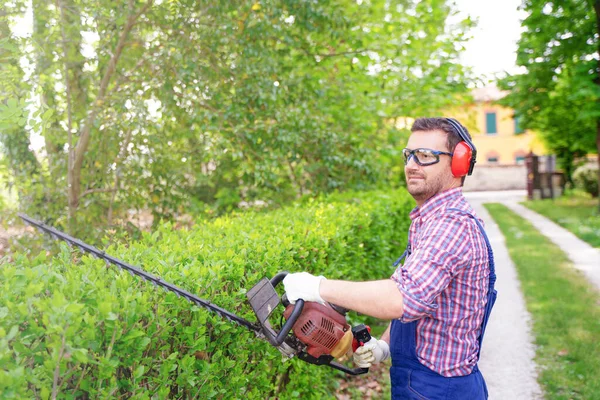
117 161
98 190
84 140
342 53
57 369
61 7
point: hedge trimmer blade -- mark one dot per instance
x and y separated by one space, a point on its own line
156 281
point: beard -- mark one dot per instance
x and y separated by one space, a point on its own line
423 189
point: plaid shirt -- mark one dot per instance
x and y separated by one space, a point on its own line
444 281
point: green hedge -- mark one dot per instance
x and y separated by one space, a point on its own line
71 326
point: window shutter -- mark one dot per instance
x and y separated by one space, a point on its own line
490 123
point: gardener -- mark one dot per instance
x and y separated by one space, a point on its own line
439 300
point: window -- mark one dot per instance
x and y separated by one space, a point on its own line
490 123
492 160
518 128
519 156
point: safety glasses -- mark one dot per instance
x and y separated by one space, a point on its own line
423 157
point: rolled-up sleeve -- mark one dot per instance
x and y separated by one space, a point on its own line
441 251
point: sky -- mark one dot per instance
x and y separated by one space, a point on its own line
493 46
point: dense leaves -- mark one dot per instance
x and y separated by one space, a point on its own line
71 327
558 94
180 106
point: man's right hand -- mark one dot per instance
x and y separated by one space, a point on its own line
372 352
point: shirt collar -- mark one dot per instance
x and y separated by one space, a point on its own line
435 202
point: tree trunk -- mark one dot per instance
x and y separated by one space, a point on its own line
85 132
15 141
42 37
597 9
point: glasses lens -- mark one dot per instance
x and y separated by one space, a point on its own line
405 155
426 156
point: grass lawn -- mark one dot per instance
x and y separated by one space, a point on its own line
565 309
576 213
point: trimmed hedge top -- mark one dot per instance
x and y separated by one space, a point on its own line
71 326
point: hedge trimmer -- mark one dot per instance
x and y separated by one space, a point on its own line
319 332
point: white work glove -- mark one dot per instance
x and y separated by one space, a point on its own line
303 285
372 352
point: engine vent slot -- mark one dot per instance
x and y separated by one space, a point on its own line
327 324
308 328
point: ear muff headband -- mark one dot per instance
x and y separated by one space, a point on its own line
465 153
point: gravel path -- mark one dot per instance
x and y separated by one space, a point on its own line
583 256
507 354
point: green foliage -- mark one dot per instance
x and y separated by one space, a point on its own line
562 303
215 101
558 94
585 178
71 326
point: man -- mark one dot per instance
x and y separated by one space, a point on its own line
439 300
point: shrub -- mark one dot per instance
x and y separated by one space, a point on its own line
586 179
71 326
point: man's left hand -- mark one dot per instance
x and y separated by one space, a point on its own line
303 285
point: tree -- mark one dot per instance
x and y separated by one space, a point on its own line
14 142
162 106
559 93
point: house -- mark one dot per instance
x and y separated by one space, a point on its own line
496 132
501 143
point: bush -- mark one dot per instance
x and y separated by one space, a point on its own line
71 326
586 179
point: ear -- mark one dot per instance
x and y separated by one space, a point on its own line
461 160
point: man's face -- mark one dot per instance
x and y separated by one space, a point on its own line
423 182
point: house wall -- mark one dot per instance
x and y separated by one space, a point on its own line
496 177
504 145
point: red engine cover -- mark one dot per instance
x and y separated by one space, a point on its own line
319 327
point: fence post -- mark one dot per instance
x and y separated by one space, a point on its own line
531 167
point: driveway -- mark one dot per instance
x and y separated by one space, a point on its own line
508 351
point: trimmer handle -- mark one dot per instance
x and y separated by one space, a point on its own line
296 311
264 300
362 334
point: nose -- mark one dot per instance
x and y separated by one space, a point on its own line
411 163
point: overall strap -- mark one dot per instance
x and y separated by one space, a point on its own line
405 254
492 293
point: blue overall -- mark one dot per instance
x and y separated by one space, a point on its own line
412 380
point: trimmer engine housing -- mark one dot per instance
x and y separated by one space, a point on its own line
319 327
320 332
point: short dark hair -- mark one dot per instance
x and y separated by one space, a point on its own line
442 124
437 123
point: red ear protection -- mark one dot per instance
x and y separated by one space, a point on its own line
461 160
465 153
